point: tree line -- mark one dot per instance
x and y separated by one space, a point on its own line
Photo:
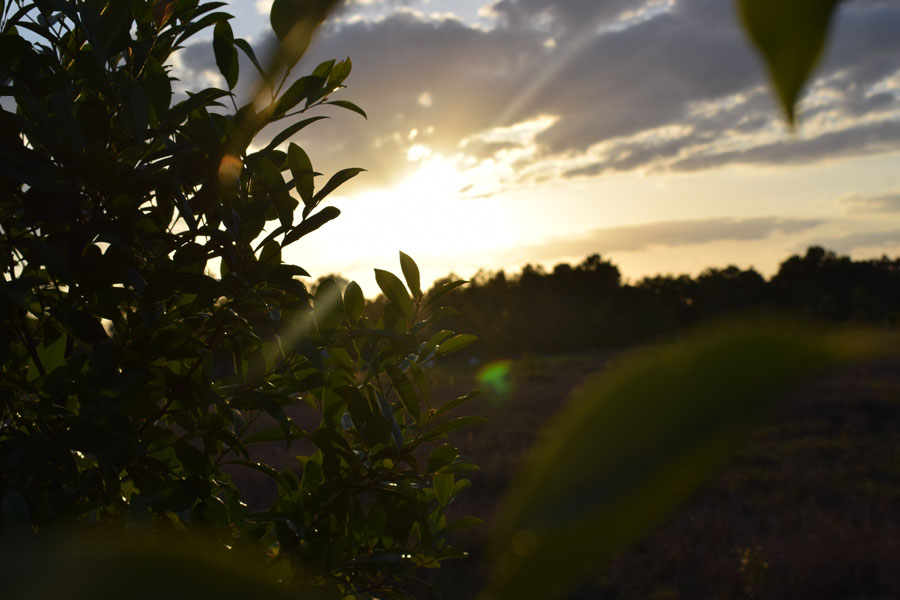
588 306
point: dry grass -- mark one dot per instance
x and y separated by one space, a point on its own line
811 508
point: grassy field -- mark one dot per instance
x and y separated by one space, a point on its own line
810 509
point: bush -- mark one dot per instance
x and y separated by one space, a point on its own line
133 377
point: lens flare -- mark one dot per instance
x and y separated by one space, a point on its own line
496 377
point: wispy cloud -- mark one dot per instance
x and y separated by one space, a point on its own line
870 205
662 234
632 85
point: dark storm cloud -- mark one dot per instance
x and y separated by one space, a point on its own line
664 233
610 88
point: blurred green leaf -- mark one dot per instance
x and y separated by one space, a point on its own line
790 36
97 565
639 439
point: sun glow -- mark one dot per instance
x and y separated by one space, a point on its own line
428 215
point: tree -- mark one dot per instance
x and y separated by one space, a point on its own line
134 376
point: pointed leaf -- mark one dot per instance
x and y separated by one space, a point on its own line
226 53
336 181
311 224
301 169
457 342
349 106
393 288
791 37
288 132
439 292
411 274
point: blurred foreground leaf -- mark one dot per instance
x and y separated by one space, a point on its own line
91 565
639 439
791 37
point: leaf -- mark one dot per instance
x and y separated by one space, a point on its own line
393 288
336 181
275 434
411 274
405 390
271 253
463 523
388 413
441 291
451 404
327 306
790 36
301 169
294 22
444 428
53 354
288 132
441 456
139 106
292 96
638 440
226 53
349 106
260 467
457 342
311 224
354 302
443 487
339 73
247 49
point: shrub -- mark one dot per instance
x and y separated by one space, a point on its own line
132 375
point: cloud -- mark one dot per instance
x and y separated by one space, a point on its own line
865 239
663 234
880 204
659 85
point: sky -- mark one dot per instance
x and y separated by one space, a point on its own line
506 132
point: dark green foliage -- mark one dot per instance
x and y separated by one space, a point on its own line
131 373
593 310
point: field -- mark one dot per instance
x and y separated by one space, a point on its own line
810 509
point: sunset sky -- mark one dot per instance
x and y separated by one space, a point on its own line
503 132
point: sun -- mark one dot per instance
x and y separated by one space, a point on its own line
428 215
